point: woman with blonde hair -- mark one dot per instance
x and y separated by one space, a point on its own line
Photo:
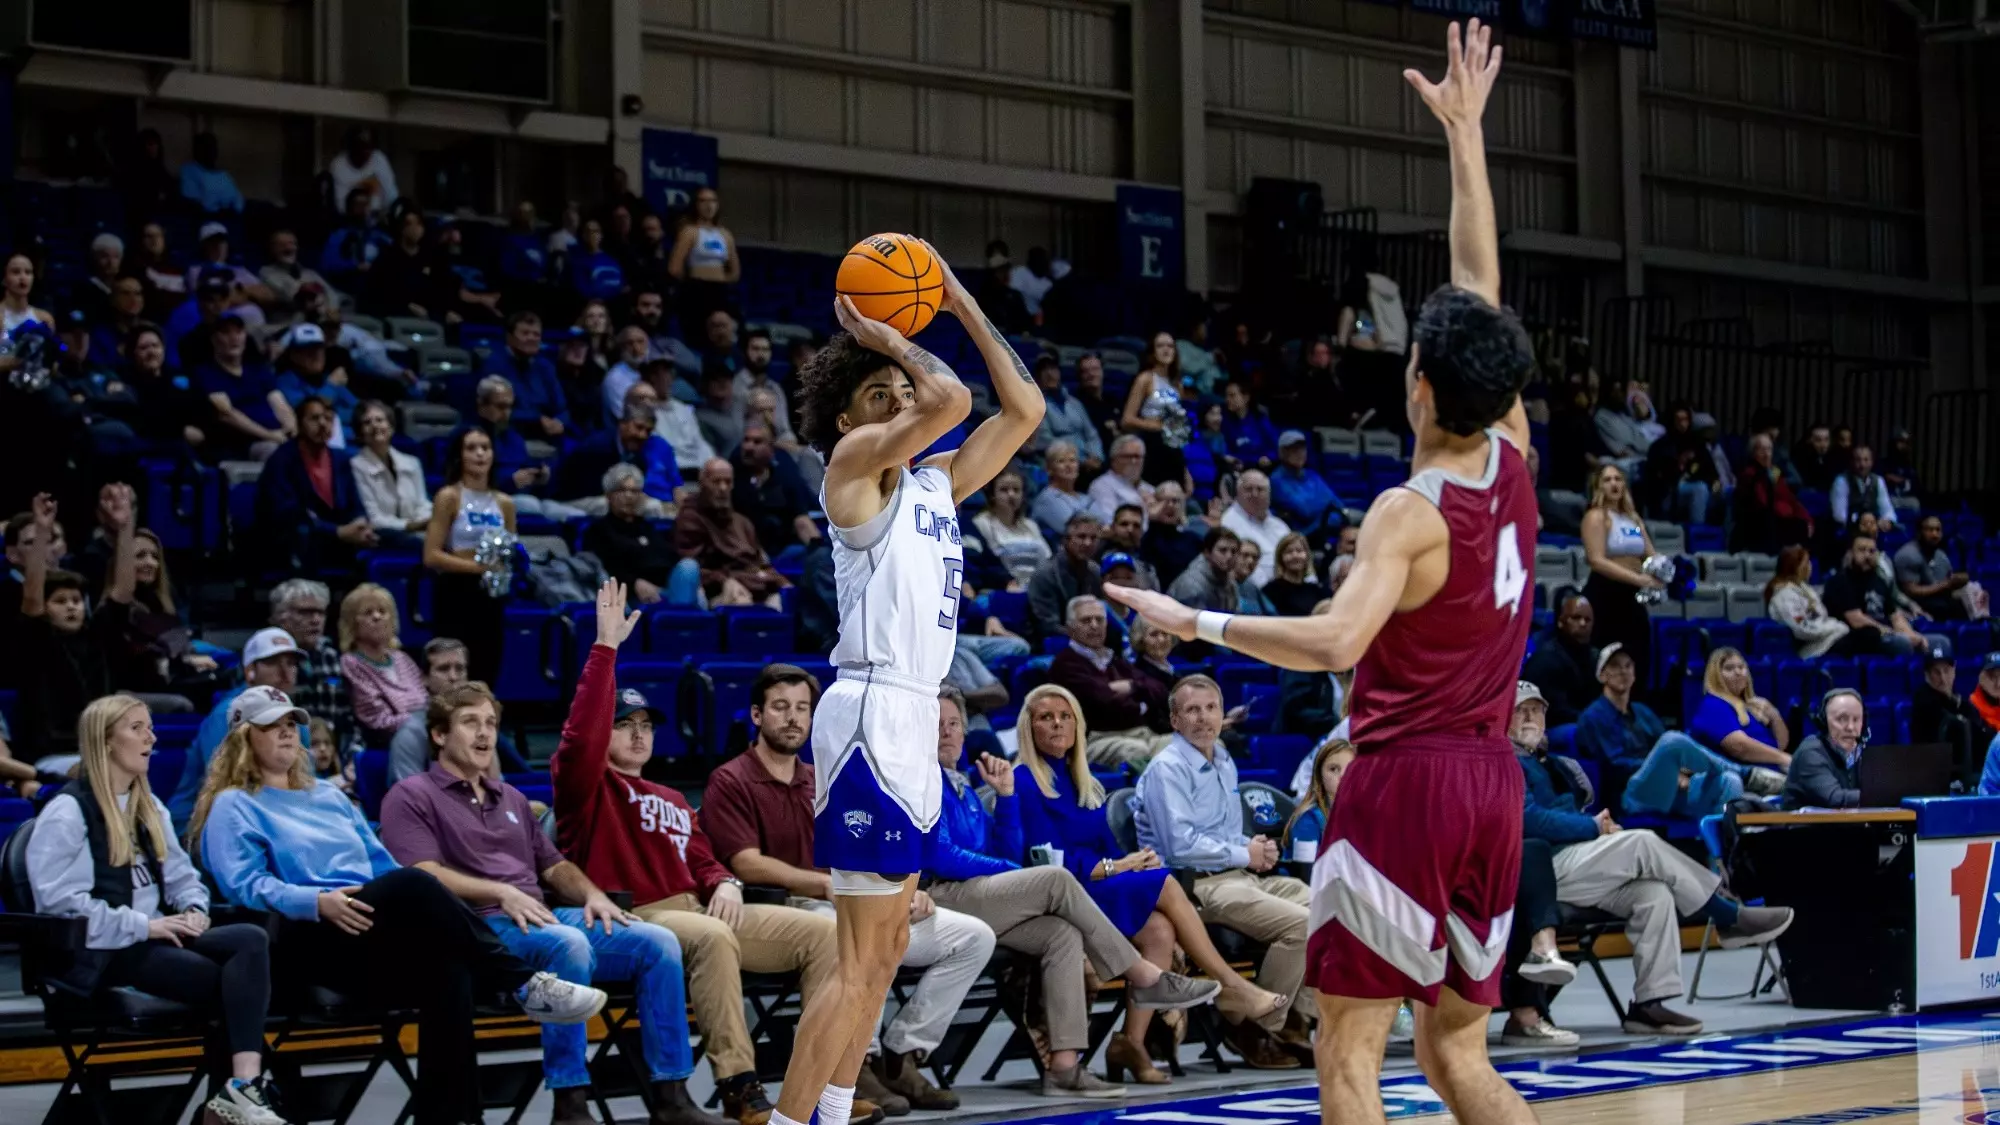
104 850
1616 546
1062 806
1308 823
1742 730
386 686
277 839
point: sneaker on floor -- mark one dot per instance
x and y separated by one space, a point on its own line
1755 925
1655 1018
1174 991
868 1087
1077 1082
245 1103
547 998
1541 1033
1548 969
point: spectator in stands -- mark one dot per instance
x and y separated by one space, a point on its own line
276 839
1985 697
374 371
1247 430
1123 535
386 685
65 660
1156 410
1126 713
160 268
673 419
634 346
1680 477
1616 544
390 482
1294 589
1167 544
142 177
723 542
1623 439
1299 495
758 813
1067 417
594 272
772 494
632 443
448 821
306 369
1008 533
1636 876
1744 728
1209 582
1858 489
299 607
19 284
1042 911
309 515
1935 705
593 324
191 325
247 295
1250 597
635 552
408 279
1059 501
1564 664
1664 772
410 749
1189 823
717 412
251 412
171 413
540 407
1072 573
1826 773
1767 420
755 376
205 183
582 376
270 659
123 311
641 837
1534 966
362 167
1790 599
493 415
466 511
704 262
1768 515
104 850
351 250
1899 470
647 258
1253 521
1925 575
1104 413
523 258
107 265
1861 596
283 274
157 659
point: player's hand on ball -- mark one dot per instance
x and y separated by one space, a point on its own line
1159 610
956 298
1472 64
871 334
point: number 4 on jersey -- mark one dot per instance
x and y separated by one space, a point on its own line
1510 577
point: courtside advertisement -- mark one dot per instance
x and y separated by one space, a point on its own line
1958 920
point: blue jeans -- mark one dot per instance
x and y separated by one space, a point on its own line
648 955
684 587
1656 785
1690 502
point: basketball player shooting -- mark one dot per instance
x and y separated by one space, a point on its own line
872 401
1413 894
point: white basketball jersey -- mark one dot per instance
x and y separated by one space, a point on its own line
898 578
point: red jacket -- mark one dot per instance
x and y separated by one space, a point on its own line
627 833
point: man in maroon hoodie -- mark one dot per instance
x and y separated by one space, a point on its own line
630 834
1121 708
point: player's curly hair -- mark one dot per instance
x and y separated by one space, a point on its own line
827 383
1476 357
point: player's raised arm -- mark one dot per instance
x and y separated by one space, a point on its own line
933 402
1401 526
1022 403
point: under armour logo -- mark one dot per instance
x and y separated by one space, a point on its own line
858 822
892 834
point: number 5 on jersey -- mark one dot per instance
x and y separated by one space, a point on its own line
954 581
1510 574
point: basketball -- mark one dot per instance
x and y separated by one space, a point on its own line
892 278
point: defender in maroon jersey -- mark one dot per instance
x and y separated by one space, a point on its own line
1413 892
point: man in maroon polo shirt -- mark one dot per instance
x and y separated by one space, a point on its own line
758 813
480 838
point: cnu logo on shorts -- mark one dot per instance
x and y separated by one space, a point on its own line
1975 883
858 822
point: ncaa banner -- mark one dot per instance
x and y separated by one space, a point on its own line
1150 240
1489 10
1958 920
676 166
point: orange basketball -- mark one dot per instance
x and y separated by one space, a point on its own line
892 278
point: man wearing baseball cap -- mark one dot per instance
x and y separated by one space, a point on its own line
270 660
1937 712
1663 771
249 407
306 367
1299 494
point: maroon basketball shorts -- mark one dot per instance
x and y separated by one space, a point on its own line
1414 888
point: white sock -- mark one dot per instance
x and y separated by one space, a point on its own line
780 1119
836 1105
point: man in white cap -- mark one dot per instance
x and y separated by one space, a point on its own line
247 292
1299 494
304 371
270 659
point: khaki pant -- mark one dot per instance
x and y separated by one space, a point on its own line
1649 883
770 939
1045 912
1267 908
1117 747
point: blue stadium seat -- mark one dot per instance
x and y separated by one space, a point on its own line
1262 701
530 656
1799 680
1765 637
1883 675
731 680
1280 752
371 781
1841 671
1902 721
672 633
163 769
1032 673
1235 677
755 631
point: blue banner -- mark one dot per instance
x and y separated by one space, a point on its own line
1488 10
1150 234
676 166
1628 23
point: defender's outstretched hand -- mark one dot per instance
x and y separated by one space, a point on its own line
1472 63
613 623
1159 610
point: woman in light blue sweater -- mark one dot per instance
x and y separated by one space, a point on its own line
275 838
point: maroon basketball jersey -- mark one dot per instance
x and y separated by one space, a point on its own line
1448 668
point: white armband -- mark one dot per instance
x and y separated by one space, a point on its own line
1209 624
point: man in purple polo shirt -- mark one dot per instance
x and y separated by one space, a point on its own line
479 837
